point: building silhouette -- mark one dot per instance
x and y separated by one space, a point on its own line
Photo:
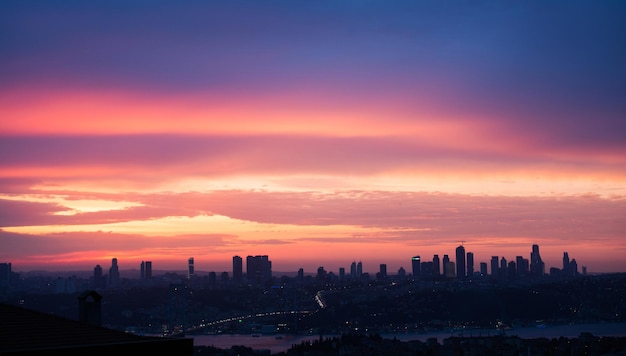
114 274
258 269
436 270
190 268
460 262
537 267
237 269
416 266
145 270
470 264
98 278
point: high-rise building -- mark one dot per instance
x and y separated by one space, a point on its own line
383 270
436 272
190 268
470 264
148 270
416 266
114 274
142 270
537 267
258 269
353 270
98 278
237 269
359 269
483 268
460 262
5 274
494 266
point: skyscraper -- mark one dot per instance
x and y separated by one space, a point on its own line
537 267
98 278
237 269
416 266
5 274
383 270
359 269
258 269
494 266
436 266
190 268
353 270
114 274
148 270
470 264
460 262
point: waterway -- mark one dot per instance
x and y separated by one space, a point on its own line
280 342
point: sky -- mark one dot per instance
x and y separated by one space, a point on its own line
315 132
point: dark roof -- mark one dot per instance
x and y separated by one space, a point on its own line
28 332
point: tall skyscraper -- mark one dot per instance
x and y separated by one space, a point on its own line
460 262
353 270
470 264
114 274
383 270
483 268
190 268
237 269
98 278
148 270
359 269
5 274
436 266
537 267
142 270
494 266
416 266
258 269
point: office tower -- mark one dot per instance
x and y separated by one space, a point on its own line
494 266
483 268
301 275
5 274
258 269
342 273
503 269
383 270
98 278
321 273
522 266
460 262
148 269
449 269
114 274
573 267
470 264
237 269
190 268
416 266
512 271
537 267
353 270
446 260
565 263
436 272
359 269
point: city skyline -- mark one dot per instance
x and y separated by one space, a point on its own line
425 266
313 132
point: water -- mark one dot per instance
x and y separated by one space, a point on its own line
281 343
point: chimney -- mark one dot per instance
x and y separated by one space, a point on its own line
89 310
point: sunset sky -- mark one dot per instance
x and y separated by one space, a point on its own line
315 132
